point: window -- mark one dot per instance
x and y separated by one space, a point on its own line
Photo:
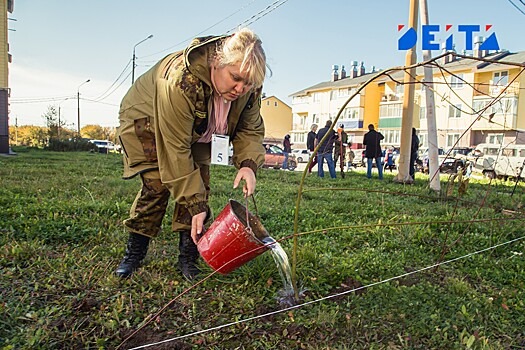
509 152
300 99
422 112
299 138
391 136
317 97
275 104
454 111
491 151
495 139
501 78
522 153
351 113
507 105
452 139
423 140
456 81
394 110
315 118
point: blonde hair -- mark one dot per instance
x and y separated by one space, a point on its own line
244 47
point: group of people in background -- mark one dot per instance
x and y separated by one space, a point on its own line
334 149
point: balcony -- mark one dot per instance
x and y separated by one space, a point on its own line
484 89
389 97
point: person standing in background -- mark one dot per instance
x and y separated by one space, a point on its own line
287 149
340 146
414 147
325 150
372 141
310 144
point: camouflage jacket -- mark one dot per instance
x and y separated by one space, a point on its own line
167 107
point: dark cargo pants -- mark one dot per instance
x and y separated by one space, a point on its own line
150 205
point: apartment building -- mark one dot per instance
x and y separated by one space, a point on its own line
323 101
475 102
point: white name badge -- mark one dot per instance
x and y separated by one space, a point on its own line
219 149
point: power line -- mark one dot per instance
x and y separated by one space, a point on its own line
101 96
114 89
203 31
100 102
270 8
24 100
517 8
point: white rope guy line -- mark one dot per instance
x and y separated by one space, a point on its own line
327 297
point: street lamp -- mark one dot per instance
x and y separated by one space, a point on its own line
59 122
134 57
78 105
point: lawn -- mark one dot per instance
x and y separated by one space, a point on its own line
367 260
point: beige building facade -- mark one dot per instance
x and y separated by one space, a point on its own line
277 117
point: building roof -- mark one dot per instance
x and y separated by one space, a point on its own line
276 98
459 64
338 84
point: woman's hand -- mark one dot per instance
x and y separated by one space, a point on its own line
248 176
197 222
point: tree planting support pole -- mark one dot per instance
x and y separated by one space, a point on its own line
433 159
403 175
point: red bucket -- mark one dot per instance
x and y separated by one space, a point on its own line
233 239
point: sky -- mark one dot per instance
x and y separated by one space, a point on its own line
57 45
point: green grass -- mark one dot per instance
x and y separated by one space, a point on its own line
61 238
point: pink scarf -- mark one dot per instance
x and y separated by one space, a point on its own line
218 116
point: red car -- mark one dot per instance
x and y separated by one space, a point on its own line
274 158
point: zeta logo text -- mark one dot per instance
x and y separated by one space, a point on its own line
428 32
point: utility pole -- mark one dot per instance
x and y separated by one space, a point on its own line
403 175
134 58
58 128
78 105
433 160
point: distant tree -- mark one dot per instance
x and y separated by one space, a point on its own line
37 137
29 135
109 133
93 132
51 120
67 133
13 135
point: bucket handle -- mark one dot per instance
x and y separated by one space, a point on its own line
249 228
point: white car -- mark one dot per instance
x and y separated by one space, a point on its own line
301 155
105 146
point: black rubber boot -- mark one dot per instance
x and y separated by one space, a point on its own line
135 252
188 255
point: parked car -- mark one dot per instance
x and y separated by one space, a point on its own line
274 158
105 146
449 162
451 165
464 153
424 156
506 161
302 155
